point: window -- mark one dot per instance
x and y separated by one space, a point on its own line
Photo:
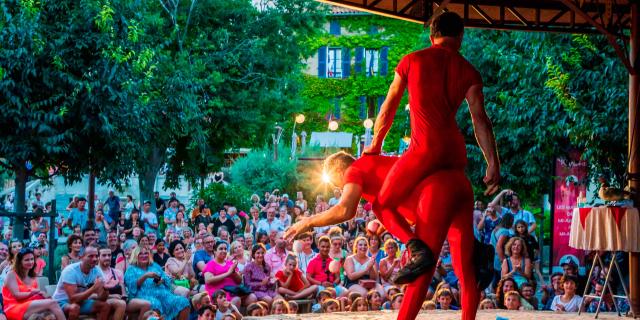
372 59
334 63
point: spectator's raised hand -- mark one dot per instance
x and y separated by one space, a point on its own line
297 228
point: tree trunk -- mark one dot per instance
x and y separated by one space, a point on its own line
19 201
147 176
92 195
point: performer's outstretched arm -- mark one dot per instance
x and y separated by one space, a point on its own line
386 114
341 212
484 134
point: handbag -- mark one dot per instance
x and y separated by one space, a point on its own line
182 283
240 290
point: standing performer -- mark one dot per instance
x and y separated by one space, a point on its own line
448 217
438 79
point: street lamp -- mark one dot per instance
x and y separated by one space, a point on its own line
294 137
333 125
368 124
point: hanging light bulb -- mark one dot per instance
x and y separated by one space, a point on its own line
333 125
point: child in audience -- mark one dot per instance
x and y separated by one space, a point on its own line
443 297
512 300
487 304
292 284
359 305
330 306
396 301
375 300
254 310
428 305
293 307
224 307
280 306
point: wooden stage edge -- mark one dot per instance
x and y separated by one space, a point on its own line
444 315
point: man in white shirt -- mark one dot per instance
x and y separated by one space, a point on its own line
150 219
337 193
270 222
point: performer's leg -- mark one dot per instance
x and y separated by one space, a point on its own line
461 241
432 224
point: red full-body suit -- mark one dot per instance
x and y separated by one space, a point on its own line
441 207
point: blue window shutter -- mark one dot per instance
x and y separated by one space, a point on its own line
322 62
346 62
336 111
363 107
380 101
359 59
334 27
384 61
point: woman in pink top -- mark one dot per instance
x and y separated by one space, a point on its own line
220 273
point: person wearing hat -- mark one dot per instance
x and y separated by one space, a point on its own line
570 268
286 201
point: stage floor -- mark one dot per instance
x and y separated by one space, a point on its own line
444 315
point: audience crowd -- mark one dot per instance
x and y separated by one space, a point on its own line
194 262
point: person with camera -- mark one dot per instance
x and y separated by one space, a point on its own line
507 201
147 281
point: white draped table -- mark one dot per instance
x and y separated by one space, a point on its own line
605 228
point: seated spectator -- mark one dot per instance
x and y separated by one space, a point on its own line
198 301
359 305
254 310
293 307
181 223
220 273
223 221
428 305
74 245
123 262
570 268
396 301
330 306
499 237
292 284
114 284
134 221
161 256
504 285
146 280
201 213
443 299
517 264
527 292
549 292
306 253
284 219
487 304
359 268
257 276
202 257
389 265
21 295
607 301
40 263
178 268
487 223
280 306
569 301
237 254
223 306
114 246
80 290
512 300
276 256
318 272
207 313
374 299
374 248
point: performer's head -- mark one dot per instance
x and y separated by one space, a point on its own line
447 27
336 165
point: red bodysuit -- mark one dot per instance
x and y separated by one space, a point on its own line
442 208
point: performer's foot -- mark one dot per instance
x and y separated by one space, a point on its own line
422 259
483 255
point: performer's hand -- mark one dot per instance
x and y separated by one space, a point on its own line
492 179
372 150
297 228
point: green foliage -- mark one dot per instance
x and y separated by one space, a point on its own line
215 194
259 172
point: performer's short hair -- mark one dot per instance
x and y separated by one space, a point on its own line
447 24
338 162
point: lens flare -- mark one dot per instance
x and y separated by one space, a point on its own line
326 178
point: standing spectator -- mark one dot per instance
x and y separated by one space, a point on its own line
134 221
145 280
201 213
488 222
102 227
170 214
113 205
80 289
569 301
301 202
276 256
517 264
220 273
513 207
337 193
252 223
321 204
223 221
39 224
390 265
499 238
238 220
79 216
306 253
21 295
318 272
257 275
292 283
149 219
286 202
114 284
74 247
129 206
181 223
359 266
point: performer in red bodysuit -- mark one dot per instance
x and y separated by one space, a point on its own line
441 206
438 80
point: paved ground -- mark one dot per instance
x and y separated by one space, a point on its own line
444 315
